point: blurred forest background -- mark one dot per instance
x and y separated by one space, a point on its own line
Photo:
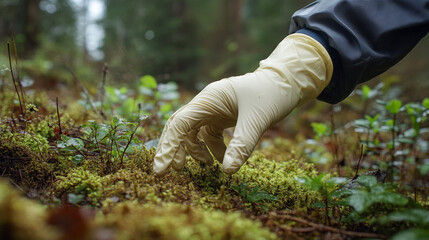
190 42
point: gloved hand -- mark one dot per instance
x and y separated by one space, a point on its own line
297 71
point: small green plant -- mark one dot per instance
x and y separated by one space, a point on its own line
254 194
110 142
327 187
418 218
321 130
149 98
371 193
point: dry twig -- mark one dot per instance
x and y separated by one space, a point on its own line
321 227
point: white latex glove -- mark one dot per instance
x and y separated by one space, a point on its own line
297 71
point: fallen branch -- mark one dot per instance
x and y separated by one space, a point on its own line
325 228
297 229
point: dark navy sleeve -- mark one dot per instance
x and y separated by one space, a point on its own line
364 37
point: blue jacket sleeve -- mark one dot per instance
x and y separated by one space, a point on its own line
364 37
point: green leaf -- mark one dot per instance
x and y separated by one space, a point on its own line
70 143
394 106
257 196
337 180
391 197
148 81
367 181
416 216
406 140
424 169
77 159
365 92
75 198
425 103
320 129
361 123
318 205
412 234
360 200
165 108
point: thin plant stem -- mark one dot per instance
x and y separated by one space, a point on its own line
13 79
59 120
128 143
17 72
358 164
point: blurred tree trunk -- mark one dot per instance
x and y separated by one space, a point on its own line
31 25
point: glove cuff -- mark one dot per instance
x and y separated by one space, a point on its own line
302 62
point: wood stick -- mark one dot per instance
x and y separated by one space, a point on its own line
326 228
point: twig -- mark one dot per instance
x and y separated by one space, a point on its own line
322 227
13 79
358 164
17 72
103 90
16 185
128 143
81 153
298 229
59 121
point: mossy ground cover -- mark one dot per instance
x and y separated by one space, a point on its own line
90 177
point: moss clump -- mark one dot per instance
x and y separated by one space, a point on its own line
35 142
274 177
279 179
176 221
23 165
204 186
21 218
80 181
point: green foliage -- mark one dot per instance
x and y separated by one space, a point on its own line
412 234
152 99
148 82
253 194
368 93
321 129
393 106
373 193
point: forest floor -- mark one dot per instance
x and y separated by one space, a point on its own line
76 168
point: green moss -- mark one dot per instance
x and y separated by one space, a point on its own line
34 142
176 221
199 185
21 218
273 177
23 165
79 181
